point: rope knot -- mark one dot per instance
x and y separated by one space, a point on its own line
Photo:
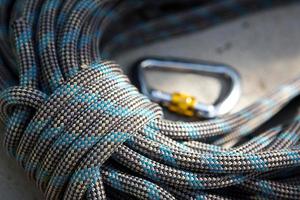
101 110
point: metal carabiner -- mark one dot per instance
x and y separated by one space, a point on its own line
186 104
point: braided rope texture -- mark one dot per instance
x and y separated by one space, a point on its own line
80 130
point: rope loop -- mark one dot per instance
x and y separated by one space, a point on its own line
20 96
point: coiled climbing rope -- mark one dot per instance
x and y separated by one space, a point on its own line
80 130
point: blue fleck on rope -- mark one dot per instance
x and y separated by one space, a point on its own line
80 130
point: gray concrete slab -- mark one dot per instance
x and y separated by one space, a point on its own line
264 48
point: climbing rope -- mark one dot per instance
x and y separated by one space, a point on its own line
80 130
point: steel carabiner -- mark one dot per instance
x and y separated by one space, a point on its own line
186 104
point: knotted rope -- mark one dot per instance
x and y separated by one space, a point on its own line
80 129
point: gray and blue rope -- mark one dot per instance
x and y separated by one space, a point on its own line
80 130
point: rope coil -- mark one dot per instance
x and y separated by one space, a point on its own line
82 131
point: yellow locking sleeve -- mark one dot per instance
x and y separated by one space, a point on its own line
182 104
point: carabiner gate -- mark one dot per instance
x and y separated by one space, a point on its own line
186 104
